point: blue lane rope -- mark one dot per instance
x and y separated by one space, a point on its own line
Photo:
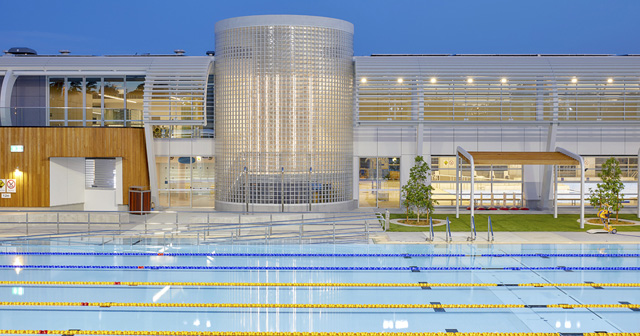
326 268
201 254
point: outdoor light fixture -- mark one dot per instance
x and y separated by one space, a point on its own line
17 170
574 80
469 80
433 80
400 80
503 80
610 80
363 80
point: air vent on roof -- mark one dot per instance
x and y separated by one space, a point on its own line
179 52
64 52
211 53
21 51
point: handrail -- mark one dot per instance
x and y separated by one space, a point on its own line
490 231
473 230
431 235
449 238
87 229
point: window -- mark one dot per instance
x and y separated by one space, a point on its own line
100 173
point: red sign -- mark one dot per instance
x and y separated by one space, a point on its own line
11 185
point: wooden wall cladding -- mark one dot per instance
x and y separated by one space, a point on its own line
41 143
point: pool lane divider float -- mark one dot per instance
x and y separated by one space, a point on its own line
366 255
288 333
328 268
436 306
291 284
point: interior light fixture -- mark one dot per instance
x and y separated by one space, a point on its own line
574 80
469 80
400 80
363 80
503 80
17 171
433 80
610 80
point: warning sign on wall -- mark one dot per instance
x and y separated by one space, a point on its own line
3 185
11 185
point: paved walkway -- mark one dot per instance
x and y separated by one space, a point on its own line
510 238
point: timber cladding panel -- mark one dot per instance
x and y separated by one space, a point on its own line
42 143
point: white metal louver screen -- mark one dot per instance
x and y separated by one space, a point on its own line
100 173
175 93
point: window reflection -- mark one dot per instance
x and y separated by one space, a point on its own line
379 184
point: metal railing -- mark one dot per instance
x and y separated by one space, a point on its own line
186 227
490 231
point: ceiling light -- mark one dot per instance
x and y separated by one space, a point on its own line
363 80
503 80
433 80
469 80
574 80
400 80
610 80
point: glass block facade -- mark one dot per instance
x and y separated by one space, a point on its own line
283 111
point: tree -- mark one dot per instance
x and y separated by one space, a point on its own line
417 194
609 191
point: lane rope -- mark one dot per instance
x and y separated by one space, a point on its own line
288 333
330 268
214 254
313 305
304 284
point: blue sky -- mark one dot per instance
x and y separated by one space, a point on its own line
107 27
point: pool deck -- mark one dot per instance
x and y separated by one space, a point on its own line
535 237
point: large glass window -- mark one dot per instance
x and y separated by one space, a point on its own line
495 185
569 179
379 184
95 101
75 102
57 101
186 181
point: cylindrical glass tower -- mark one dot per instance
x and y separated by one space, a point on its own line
283 112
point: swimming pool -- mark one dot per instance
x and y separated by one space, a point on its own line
121 278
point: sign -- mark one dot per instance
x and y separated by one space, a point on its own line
6 195
17 148
3 185
11 185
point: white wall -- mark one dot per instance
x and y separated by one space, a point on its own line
119 191
100 200
66 181
184 147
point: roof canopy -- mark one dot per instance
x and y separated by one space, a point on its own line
522 158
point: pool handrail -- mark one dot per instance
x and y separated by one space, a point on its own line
473 229
431 235
490 231
448 233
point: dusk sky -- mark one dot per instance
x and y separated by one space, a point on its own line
381 27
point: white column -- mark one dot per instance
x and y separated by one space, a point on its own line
581 193
151 165
5 97
555 191
458 185
638 177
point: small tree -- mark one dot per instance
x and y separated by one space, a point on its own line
417 193
609 191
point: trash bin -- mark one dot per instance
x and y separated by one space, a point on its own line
139 200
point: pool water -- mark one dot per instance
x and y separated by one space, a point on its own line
292 264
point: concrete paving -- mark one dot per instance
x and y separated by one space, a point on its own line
510 238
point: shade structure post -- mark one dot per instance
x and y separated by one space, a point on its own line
638 177
555 191
469 158
458 186
581 161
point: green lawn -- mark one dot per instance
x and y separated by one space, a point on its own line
513 222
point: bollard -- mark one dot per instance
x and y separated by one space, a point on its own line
387 221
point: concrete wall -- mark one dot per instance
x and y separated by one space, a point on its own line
184 147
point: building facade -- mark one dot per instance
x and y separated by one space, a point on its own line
285 118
